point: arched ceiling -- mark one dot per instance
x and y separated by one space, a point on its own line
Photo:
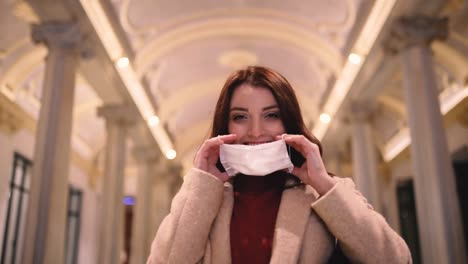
185 50
182 51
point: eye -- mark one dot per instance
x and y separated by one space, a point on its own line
273 115
238 117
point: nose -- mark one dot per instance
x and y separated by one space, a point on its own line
255 128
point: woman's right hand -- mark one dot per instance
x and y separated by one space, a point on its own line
208 154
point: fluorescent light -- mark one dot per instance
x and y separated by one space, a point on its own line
354 58
366 39
171 154
103 28
374 23
115 50
325 118
153 121
136 90
123 62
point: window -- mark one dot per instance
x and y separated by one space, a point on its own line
73 224
408 219
15 221
13 233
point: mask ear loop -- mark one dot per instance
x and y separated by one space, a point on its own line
289 151
289 147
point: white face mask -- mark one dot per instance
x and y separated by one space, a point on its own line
258 160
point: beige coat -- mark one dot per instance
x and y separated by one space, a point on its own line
197 227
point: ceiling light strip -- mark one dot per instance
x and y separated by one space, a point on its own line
103 28
365 41
114 49
136 91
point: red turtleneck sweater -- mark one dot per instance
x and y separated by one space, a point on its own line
256 204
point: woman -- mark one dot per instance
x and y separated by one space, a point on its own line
299 216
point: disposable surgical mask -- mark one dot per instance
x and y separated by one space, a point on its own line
257 160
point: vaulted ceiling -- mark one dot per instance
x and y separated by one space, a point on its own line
182 51
185 50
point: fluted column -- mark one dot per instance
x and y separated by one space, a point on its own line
47 210
118 118
364 154
440 228
147 158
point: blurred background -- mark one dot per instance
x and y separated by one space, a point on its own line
103 104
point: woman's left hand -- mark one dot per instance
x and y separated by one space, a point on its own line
313 170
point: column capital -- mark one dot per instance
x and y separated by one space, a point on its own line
415 30
117 113
57 34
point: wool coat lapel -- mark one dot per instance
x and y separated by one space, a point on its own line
292 219
293 216
220 234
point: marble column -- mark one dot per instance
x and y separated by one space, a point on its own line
47 210
118 119
147 157
364 154
439 220
162 195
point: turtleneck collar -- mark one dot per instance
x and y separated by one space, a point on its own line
274 181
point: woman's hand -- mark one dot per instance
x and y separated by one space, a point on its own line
313 171
208 154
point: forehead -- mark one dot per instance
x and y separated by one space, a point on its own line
247 94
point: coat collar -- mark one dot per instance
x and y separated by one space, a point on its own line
291 222
293 216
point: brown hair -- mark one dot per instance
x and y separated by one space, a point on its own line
285 96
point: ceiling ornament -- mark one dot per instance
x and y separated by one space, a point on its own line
187 94
312 44
243 13
236 59
22 67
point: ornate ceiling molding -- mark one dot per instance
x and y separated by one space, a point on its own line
17 72
394 105
170 105
322 26
10 120
260 28
185 95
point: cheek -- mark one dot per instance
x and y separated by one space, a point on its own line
238 129
233 128
277 129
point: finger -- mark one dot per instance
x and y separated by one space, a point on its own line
292 141
224 176
227 138
217 141
300 143
299 172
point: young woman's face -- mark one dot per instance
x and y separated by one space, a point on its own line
254 115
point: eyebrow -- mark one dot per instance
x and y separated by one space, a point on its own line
246 110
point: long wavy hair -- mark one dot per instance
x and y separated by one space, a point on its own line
284 94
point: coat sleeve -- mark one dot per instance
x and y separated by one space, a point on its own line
183 234
363 234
